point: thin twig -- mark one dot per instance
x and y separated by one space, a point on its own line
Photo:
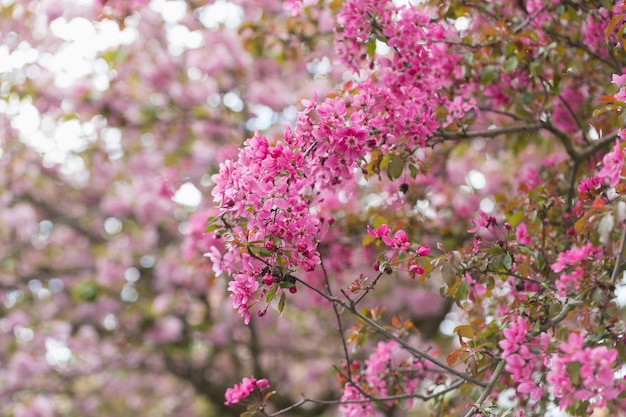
487 390
529 19
411 349
392 336
454 385
596 146
620 255
339 324
489 133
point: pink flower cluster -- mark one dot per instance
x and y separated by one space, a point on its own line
523 358
354 403
270 193
389 370
397 241
612 164
243 390
401 104
572 257
584 374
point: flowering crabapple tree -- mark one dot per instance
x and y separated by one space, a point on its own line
413 209
474 149
114 115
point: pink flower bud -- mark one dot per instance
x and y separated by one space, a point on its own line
423 250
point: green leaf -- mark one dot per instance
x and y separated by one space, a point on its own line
379 221
448 273
86 291
464 330
271 293
573 370
462 290
510 64
487 75
515 218
261 251
395 168
507 261
281 302
413 170
371 47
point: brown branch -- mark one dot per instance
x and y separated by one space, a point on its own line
620 255
489 133
492 382
389 335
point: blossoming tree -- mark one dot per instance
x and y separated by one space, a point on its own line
425 218
454 110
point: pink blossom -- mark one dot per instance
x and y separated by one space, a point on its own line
521 234
569 281
573 256
242 290
619 80
594 381
415 269
613 162
423 250
483 220
380 232
588 185
398 241
240 391
355 409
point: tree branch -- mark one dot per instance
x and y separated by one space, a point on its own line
492 382
392 336
620 255
489 133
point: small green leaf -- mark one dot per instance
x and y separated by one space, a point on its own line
86 291
395 168
281 302
371 47
507 261
413 170
464 330
510 64
573 370
448 273
487 75
379 221
261 251
515 218
271 293
462 290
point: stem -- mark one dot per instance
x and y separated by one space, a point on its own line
339 324
392 336
489 133
487 390
456 384
411 349
620 255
